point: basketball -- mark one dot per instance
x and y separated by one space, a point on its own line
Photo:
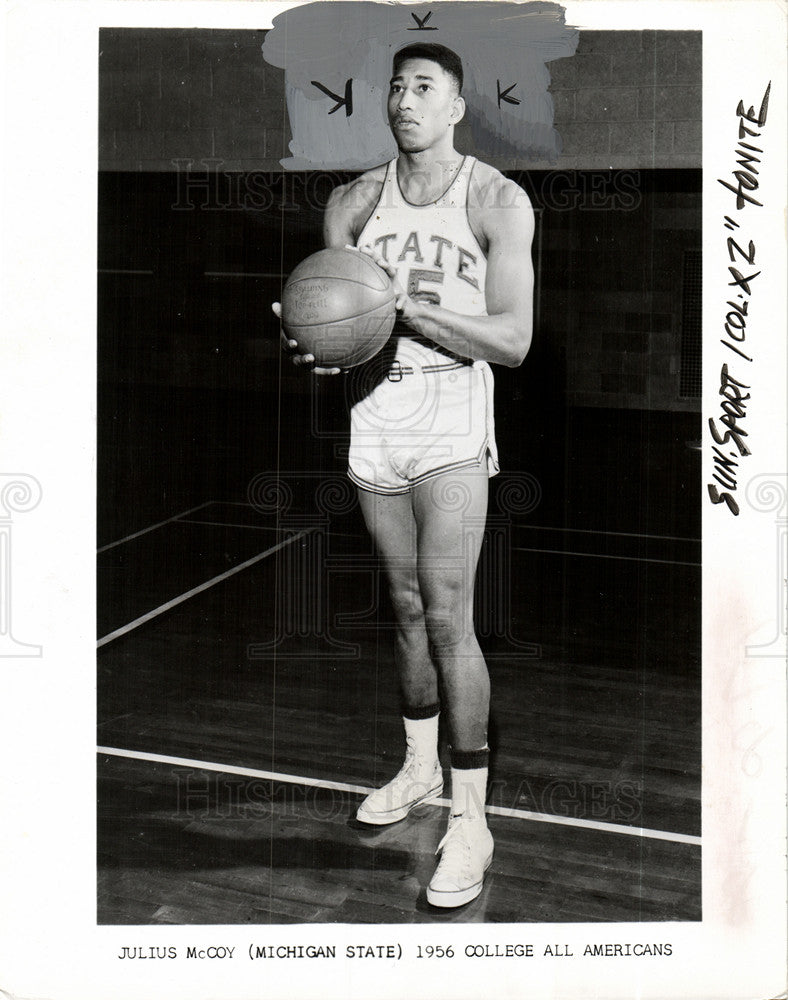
339 306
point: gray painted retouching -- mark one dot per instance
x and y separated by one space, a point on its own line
337 62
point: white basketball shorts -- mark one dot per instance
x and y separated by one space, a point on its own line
421 422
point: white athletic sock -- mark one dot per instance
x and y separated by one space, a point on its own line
468 792
421 736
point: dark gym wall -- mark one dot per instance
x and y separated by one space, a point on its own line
198 226
200 119
192 262
626 99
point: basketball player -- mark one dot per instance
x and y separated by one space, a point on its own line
454 235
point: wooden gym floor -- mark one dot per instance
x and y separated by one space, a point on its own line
247 702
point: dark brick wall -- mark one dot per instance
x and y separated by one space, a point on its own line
611 288
173 95
609 324
625 99
187 276
630 98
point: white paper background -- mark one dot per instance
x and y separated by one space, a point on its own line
50 946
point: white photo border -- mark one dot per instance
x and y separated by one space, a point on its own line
50 945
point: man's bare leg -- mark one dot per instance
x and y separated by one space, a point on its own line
450 513
392 525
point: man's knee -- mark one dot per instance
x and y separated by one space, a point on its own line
406 602
448 619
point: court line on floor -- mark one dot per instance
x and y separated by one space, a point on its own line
223 524
600 531
263 527
159 524
122 270
124 629
606 555
542 527
341 786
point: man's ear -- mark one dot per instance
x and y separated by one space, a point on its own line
457 110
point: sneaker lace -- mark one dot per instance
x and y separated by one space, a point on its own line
414 762
405 773
454 847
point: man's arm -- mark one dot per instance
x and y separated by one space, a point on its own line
348 208
338 219
503 336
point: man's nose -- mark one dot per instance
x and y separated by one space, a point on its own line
405 102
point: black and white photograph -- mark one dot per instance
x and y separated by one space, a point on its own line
462 570
411 457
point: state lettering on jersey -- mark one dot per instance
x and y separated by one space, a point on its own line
412 246
447 256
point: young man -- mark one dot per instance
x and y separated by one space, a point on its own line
454 236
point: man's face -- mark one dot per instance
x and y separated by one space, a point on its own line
423 104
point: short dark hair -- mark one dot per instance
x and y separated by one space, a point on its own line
448 61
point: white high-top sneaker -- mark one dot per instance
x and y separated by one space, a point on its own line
467 849
420 779
466 854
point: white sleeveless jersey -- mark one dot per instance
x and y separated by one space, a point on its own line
436 253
